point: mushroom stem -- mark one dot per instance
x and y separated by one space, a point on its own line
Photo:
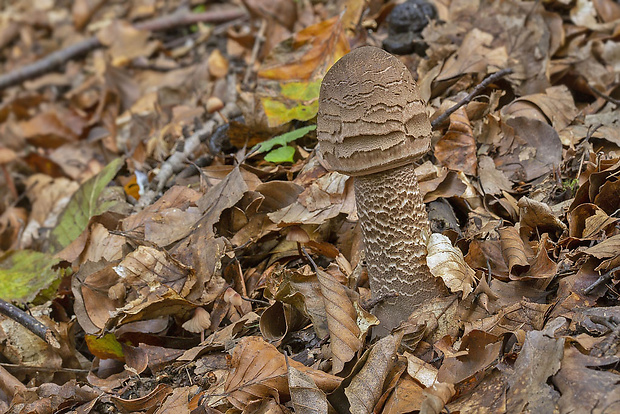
395 227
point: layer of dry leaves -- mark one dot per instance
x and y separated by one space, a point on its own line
207 279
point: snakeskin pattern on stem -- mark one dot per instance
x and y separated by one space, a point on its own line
395 227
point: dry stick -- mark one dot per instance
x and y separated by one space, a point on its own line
492 78
29 322
603 96
602 280
58 58
260 38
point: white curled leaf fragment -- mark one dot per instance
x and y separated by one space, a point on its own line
447 262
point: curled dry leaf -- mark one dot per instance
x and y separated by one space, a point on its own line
473 56
447 262
437 397
324 198
279 319
258 370
556 105
125 42
529 149
341 320
535 216
542 267
366 386
481 350
514 250
587 221
582 375
94 302
301 289
457 148
147 269
306 397
422 371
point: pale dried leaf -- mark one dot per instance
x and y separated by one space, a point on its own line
447 262
492 180
437 397
474 55
305 395
421 370
125 42
146 269
535 216
367 385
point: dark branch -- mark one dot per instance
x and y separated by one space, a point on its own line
492 78
605 97
29 322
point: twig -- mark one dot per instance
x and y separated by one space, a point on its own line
59 57
603 279
492 78
29 322
30 368
260 302
177 160
371 303
315 268
591 131
260 37
605 97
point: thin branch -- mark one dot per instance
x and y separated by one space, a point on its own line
371 303
602 280
603 96
29 322
260 302
492 78
62 56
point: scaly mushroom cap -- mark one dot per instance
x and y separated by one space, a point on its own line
371 117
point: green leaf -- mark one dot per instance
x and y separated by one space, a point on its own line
105 347
301 91
82 206
293 100
24 273
280 155
285 138
280 113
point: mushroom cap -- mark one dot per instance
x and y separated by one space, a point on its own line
371 117
199 322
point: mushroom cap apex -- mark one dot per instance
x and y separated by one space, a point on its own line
371 116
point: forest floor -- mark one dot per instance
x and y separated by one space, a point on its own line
170 242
